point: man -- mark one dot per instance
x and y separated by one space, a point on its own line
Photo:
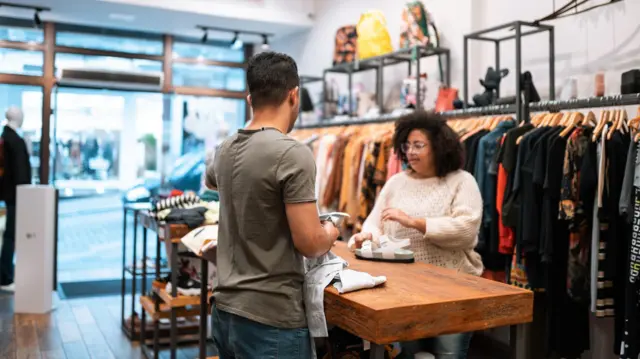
268 222
17 171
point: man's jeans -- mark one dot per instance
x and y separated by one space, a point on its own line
241 338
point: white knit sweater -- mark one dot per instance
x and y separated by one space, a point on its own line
452 208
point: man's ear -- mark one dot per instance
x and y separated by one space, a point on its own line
294 95
249 100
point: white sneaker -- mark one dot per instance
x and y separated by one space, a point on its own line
8 288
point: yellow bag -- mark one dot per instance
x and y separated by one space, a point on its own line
373 37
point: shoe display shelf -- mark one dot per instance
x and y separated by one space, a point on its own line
133 271
162 304
517 31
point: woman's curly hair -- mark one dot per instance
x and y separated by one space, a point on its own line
447 150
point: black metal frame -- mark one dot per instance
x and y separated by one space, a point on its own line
551 106
133 272
378 63
173 331
517 26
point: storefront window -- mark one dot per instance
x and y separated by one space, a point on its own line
21 34
215 77
21 62
64 60
207 52
110 43
198 125
29 100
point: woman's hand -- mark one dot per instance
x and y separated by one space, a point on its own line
396 215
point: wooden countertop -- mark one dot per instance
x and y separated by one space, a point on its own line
422 301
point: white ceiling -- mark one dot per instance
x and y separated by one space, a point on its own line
177 17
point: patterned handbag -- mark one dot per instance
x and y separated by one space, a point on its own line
415 25
346 45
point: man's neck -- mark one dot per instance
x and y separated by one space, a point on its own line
268 118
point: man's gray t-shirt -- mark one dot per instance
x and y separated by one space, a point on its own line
260 273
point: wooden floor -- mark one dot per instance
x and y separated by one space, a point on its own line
87 328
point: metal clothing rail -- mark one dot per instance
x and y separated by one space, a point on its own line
543 106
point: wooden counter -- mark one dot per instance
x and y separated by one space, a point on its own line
422 301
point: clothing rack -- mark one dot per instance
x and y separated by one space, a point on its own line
542 106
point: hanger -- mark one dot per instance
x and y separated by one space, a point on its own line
604 118
590 119
617 114
555 121
623 125
575 119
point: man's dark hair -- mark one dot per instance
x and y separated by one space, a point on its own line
448 153
270 77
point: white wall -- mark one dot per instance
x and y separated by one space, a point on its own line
313 49
607 39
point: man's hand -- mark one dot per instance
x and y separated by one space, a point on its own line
396 215
359 238
332 231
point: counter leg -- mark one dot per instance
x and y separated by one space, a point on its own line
377 351
518 342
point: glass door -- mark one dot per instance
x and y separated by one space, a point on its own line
103 144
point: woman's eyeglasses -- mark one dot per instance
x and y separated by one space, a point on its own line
416 147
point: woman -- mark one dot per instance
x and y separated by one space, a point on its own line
433 203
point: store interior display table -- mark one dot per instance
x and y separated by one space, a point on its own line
422 301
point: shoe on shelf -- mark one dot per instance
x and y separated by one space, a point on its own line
186 286
8 288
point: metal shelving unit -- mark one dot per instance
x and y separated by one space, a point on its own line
407 56
521 29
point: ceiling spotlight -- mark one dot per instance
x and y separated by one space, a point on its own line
265 42
236 43
37 22
205 37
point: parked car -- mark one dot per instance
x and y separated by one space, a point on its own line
186 175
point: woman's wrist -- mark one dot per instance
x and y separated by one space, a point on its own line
419 224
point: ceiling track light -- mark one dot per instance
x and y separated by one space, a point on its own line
37 22
235 43
236 35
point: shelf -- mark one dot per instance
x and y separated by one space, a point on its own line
165 311
392 58
184 328
150 271
179 301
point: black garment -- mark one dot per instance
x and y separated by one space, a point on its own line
471 148
617 241
567 324
8 247
528 235
631 343
17 167
508 158
192 217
